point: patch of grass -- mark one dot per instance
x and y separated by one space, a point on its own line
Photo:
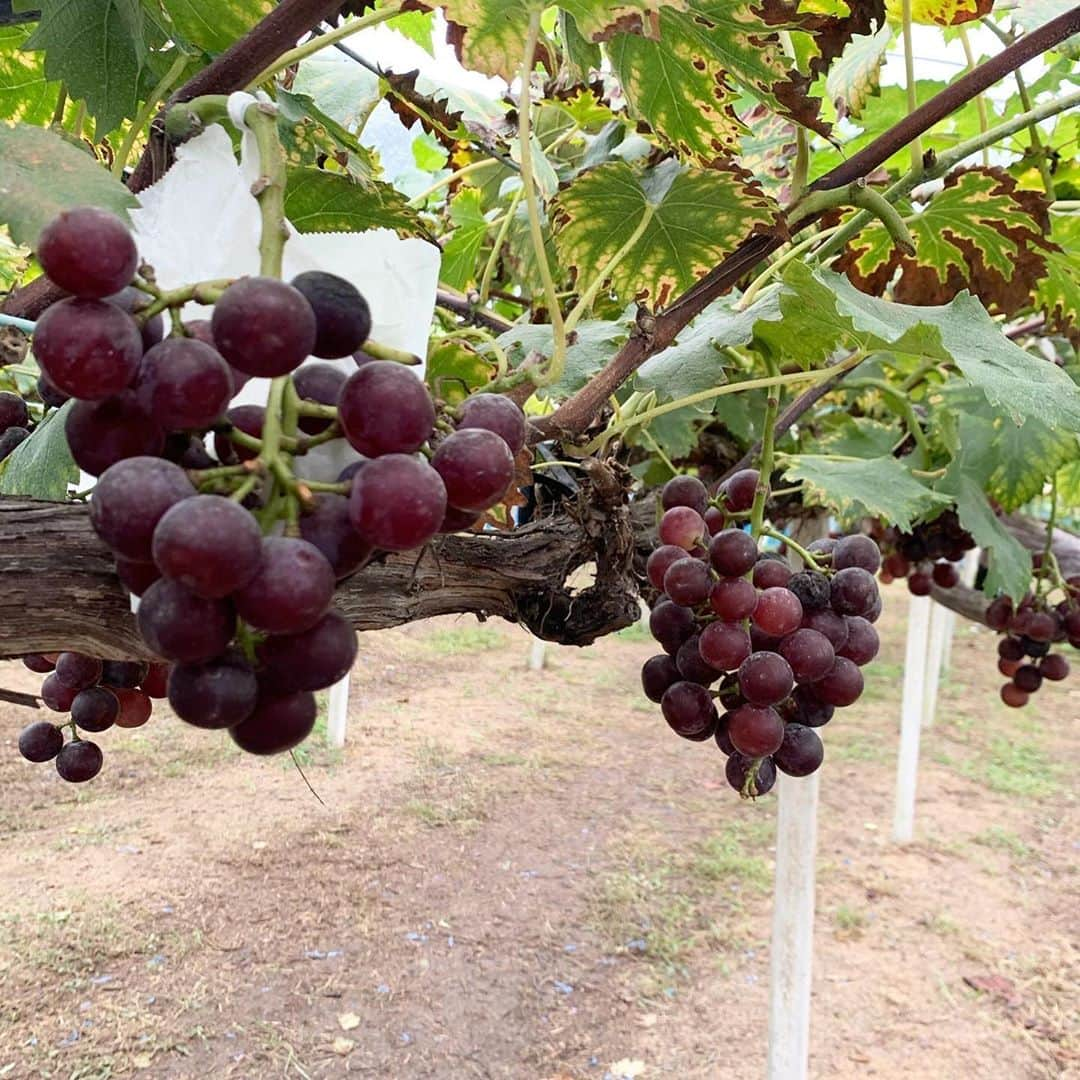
314 749
456 640
638 631
1002 839
849 921
856 746
1013 768
883 680
940 923
503 760
446 793
725 858
78 836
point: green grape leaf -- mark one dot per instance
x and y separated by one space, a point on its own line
694 362
1031 14
979 233
855 77
454 370
879 487
41 467
1009 562
98 50
317 201
1058 292
845 435
461 252
26 95
700 216
417 26
13 260
823 309
1068 485
41 173
492 32
213 25
595 342
580 56
684 83
345 91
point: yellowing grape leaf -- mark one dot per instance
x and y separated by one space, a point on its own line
942 12
699 217
461 252
213 25
318 201
856 75
1057 292
979 233
684 83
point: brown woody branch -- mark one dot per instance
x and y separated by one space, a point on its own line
578 411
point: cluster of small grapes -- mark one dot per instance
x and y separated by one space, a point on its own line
786 649
926 556
15 422
245 614
1030 629
97 694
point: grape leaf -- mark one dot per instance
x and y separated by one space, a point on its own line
318 201
852 436
942 12
41 174
1068 485
25 94
41 467
1031 14
98 49
767 149
1058 291
978 233
417 26
454 370
823 308
684 83
461 252
699 217
344 91
493 32
871 487
855 77
213 25
694 363
13 260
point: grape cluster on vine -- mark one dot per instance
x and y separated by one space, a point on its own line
926 556
235 558
96 694
755 656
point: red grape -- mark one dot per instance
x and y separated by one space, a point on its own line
328 527
49 395
801 752
88 252
77 671
13 411
217 693
657 674
862 641
692 667
497 413
311 660
1028 678
856 550
732 551
320 383
277 724
88 349
178 625
155 683
687 582
342 315
130 499
764 679
715 520
79 761
852 591
1054 667
132 301
809 654
455 520
40 741
827 622
733 599
1013 696
184 384
248 419
685 491
1008 668
919 583
101 433
778 612
291 589
209 544
95 709
55 695
656 566
385 409
755 731
688 708
739 490
263 326
135 707
896 565
682 527
945 575
1042 626
724 646
841 686
38 663
476 467
1010 648
671 625
123 673
397 502
770 573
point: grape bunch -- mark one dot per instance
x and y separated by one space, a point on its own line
234 557
755 656
1029 630
927 555
96 694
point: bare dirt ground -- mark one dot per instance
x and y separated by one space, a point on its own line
526 875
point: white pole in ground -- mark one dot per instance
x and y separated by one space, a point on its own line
792 949
538 654
911 709
337 713
969 569
935 657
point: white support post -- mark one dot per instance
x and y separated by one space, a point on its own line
911 710
969 569
538 654
792 950
337 713
935 653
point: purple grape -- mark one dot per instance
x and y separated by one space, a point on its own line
862 641
130 499
1028 678
311 660
101 433
217 693
658 562
809 653
79 761
671 625
291 589
132 301
682 527
12 438
809 709
724 646
688 708
852 591
342 315
764 679
77 671
320 383
770 573
276 724
812 589
178 625
733 599
397 502
754 730
209 544
88 252
476 467
136 576
455 520
385 409
801 752
732 552
494 412
55 695
95 709
40 741
687 582
738 769
42 665
263 327
685 491
856 550
88 349
184 384
13 411
692 667
328 527
50 396
246 418
842 686
739 490
723 739
657 674
124 674
778 612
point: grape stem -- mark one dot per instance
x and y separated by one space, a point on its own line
909 79
902 405
776 534
768 445
1048 548
385 352
314 408
202 292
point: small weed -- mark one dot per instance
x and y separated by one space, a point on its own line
1013 768
849 922
464 639
1002 839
